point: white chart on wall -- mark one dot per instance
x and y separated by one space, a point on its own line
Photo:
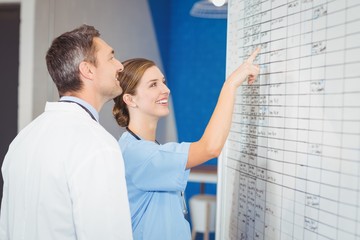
291 166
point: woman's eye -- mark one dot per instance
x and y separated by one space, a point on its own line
153 84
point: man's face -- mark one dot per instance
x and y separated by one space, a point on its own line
106 70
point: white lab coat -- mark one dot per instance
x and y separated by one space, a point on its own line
64 179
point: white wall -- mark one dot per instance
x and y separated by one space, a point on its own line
125 25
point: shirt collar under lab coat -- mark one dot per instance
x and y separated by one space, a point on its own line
83 103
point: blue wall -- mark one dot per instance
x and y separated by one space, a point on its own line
193 51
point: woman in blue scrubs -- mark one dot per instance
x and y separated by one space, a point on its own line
157 174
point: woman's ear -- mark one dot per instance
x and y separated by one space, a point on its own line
128 99
86 70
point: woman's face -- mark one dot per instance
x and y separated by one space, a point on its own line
152 94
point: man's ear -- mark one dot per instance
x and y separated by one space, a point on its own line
86 70
128 99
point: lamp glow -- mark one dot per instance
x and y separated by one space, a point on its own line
218 3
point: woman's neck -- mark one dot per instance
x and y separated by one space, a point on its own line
145 130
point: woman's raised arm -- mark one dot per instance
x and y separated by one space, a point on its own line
217 130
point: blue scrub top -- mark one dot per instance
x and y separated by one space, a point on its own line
155 176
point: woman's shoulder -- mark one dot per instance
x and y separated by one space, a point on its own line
127 140
130 145
134 148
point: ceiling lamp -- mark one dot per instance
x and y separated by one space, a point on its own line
209 9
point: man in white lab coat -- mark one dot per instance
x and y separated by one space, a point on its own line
64 174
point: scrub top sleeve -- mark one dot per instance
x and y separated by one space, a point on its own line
163 170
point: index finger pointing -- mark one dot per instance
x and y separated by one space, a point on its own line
253 55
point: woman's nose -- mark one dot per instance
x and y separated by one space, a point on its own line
166 89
